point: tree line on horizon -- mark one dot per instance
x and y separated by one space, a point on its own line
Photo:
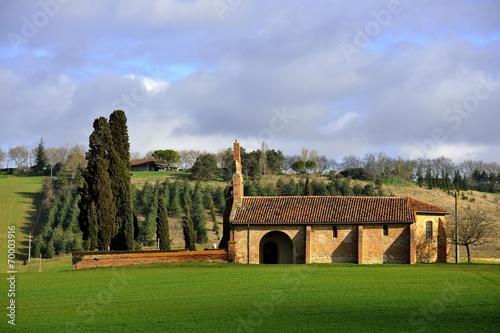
439 172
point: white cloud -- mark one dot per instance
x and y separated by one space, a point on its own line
340 123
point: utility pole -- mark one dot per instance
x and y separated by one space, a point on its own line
456 227
29 250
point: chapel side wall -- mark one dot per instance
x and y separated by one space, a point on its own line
437 249
393 248
325 248
295 232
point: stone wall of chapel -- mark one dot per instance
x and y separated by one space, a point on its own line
325 248
392 249
295 232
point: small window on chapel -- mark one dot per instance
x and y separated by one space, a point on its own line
386 230
428 230
334 231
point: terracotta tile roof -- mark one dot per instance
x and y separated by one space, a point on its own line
142 161
423 207
329 209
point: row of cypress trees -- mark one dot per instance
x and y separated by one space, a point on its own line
106 215
157 202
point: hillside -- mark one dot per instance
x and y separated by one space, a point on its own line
20 198
487 201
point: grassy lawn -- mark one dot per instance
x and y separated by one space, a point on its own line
18 196
204 297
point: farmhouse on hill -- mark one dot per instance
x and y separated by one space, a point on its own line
148 164
330 229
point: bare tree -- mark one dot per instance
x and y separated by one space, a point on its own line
19 155
263 158
304 154
135 155
2 156
475 227
188 157
324 164
425 248
351 162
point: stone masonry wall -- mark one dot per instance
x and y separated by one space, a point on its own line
393 248
325 248
296 234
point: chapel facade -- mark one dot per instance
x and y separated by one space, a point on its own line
330 229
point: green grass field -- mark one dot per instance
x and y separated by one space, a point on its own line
18 199
209 297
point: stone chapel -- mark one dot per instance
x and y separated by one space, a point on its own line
330 229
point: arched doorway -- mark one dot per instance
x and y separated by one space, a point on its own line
270 253
276 247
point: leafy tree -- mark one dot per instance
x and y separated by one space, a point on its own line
251 163
319 188
290 188
475 227
167 156
162 227
205 167
299 166
41 158
275 161
311 166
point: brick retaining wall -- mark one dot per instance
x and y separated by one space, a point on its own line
122 259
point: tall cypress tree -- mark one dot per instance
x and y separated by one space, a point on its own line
199 218
120 177
188 228
162 227
97 207
174 207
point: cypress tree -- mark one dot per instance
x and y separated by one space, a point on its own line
97 204
162 227
120 177
199 218
307 188
220 200
188 228
174 207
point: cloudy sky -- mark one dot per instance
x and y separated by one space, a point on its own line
408 78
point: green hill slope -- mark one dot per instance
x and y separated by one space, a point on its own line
19 198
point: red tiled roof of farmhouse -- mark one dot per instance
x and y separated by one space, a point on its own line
330 209
142 161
